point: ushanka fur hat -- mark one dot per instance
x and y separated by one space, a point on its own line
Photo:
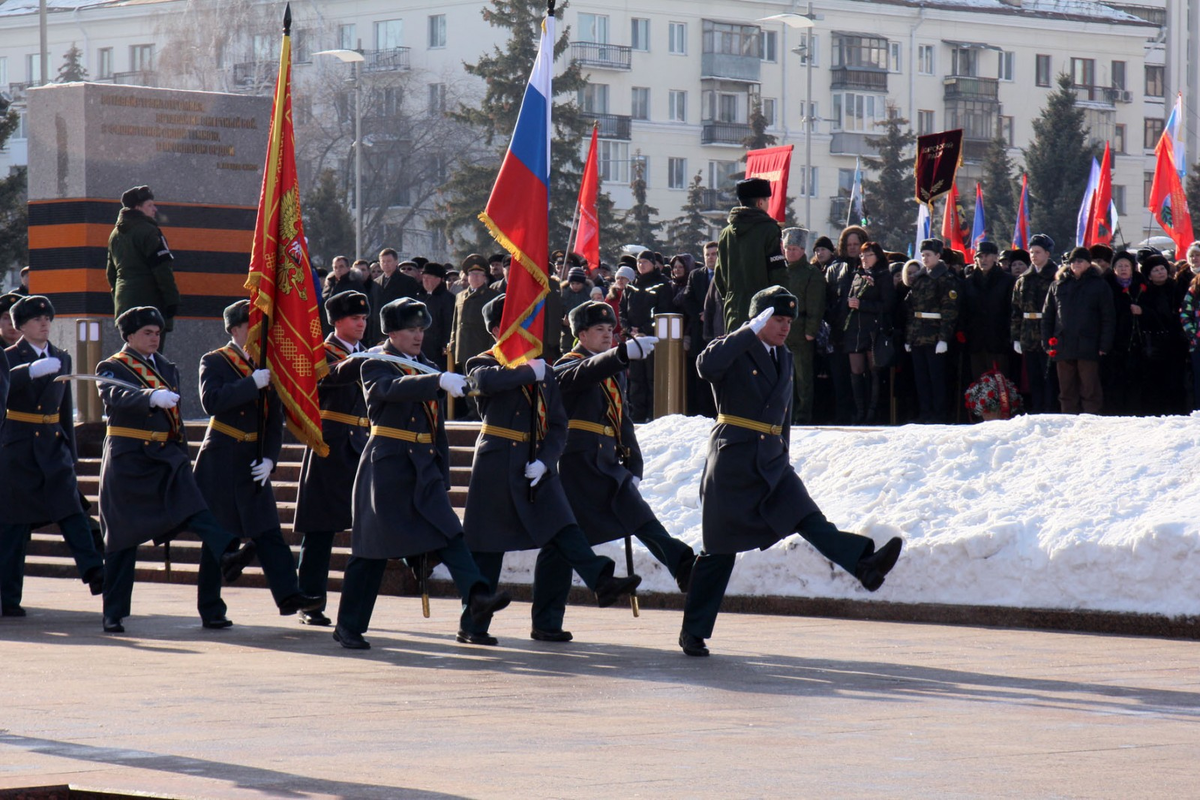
135 319
29 307
346 304
590 314
404 313
776 297
236 314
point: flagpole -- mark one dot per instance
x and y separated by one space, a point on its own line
562 271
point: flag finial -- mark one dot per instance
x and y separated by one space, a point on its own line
550 8
287 20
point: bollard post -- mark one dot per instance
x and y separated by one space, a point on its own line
87 356
669 365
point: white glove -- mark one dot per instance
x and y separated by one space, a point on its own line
261 470
1017 347
539 369
44 366
639 347
454 384
636 481
262 378
760 322
942 347
535 471
907 347
161 398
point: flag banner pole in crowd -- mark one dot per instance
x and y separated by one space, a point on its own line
1168 201
979 228
1100 230
518 211
1020 237
587 235
772 164
1083 218
855 215
952 230
938 158
285 324
924 228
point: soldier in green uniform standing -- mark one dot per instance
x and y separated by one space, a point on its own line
139 266
806 282
932 316
749 255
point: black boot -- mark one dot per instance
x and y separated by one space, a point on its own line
873 404
874 568
858 385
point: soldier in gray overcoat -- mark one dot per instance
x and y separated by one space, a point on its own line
751 495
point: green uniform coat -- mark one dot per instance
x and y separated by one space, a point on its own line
468 335
749 259
139 267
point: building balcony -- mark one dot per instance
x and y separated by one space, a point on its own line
136 78
602 56
745 69
382 127
393 59
871 80
718 200
974 149
969 87
255 73
611 126
850 143
19 91
724 132
1101 95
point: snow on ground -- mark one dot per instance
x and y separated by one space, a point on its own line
1063 512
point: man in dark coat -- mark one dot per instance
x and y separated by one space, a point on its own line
440 302
648 294
1028 302
698 281
323 499
468 337
516 499
234 480
391 285
147 490
139 265
987 309
37 455
751 495
750 256
1079 322
577 292
401 503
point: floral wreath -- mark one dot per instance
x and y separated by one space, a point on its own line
993 392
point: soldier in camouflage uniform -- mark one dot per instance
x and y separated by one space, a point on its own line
1028 302
932 314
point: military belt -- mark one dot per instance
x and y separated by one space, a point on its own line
750 424
345 419
504 433
134 433
32 419
401 434
927 315
1033 315
590 427
232 432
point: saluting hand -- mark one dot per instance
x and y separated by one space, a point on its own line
760 322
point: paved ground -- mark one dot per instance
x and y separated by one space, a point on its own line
786 707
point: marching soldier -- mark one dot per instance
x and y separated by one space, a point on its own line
147 490
751 495
516 499
601 465
234 480
37 458
323 502
401 504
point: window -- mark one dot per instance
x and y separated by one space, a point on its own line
768 111
677 173
1151 132
263 47
1154 81
1004 67
33 68
593 98
389 34
768 45
141 57
677 106
1147 183
724 38
104 63
639 34
640 103
1042 72
727 107
437 31
1118 75
613 161
1006 131
722 175
301 51
387 101
348 37
816 51
893 56
1083 72
303 109
814 115
593 28
853 111
677 38
860 52
925 122
437 98
1118 199
964 62
845 182
1119 139
925 60
808 187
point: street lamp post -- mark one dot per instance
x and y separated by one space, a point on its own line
356 58
804 22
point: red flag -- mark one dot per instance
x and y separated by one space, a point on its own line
587 235
1168 202
772 164
952 229
1020 237
1099 227
285 325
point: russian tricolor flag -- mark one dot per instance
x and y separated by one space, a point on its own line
518 212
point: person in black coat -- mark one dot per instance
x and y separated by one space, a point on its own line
401 502
37 455
648 294
866 298
1078 327
440 302
987 312
234 479
516 500
323 499
147 489
700 401
391 285
1121 369
1164 349
751 496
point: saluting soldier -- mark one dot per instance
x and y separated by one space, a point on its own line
932 321
401 501
37 457
601 465
323 502
235 481
751 496
147 490
516 502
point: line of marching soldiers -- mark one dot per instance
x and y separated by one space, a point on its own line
556 468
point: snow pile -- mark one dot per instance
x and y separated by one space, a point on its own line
1099 513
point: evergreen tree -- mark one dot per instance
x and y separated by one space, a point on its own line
72 69
327 222
637 226
758 138
1058 161
688 232
506 74
14 214
888 199
998 192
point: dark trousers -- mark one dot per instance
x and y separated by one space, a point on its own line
843 394
641 389
276 560
14 540
1042 393
569 545
802 358
1079 386
120 566
364 576
552 573
929 375
710 576
313 569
